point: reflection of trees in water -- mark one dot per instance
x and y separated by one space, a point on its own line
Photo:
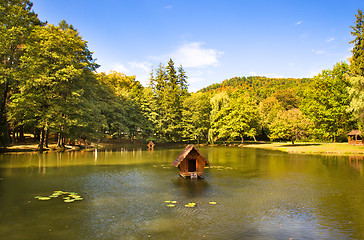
192 187
357 163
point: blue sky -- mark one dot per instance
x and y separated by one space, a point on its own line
214 40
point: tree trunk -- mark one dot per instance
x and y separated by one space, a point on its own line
242 139
60 140
4 134
46 138
41 140
21 134
254 138
46 135
292 141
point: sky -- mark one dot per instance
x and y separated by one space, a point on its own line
213 40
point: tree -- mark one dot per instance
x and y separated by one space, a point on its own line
356 92
170 89
56 69
357 70
289 125
218 102
268 110
238 118
130 94
357 60
16 22
325 102
287 98
196 117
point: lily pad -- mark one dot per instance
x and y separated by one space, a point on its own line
212 203
190 205
78 199
171 205
167 201
69 200
173 201
44 198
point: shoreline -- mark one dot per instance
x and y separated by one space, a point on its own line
338 149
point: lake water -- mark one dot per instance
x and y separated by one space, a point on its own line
260 195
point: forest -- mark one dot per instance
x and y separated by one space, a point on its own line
50 89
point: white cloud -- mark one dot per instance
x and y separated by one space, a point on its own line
330 39
145 66
193 55
119 68
299 22
168 7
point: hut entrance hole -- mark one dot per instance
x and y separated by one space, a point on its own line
192 165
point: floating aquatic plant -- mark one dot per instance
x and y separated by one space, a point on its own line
68 197
44 198
191 205
213 203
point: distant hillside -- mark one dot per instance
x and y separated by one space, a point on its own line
261 86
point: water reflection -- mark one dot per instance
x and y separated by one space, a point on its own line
260 195
191 188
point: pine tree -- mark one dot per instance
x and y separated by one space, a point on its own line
357 70
357 60
170 89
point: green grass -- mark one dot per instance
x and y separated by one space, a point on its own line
312 148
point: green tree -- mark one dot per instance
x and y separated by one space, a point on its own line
325 102
130 93
287 98
196 117
357 71
16 22
238 118
170 89
357 60
289 125
218 102
356 92
268 110
56 67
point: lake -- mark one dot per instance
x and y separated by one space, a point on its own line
259 194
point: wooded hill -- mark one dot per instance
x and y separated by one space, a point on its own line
260 85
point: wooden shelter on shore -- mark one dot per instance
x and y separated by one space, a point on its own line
354 138
191 163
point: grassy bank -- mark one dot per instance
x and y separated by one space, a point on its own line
312 148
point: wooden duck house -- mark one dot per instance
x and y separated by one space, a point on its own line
151 145
191 163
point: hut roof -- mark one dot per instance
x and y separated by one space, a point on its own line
151 143
184 154
354 133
